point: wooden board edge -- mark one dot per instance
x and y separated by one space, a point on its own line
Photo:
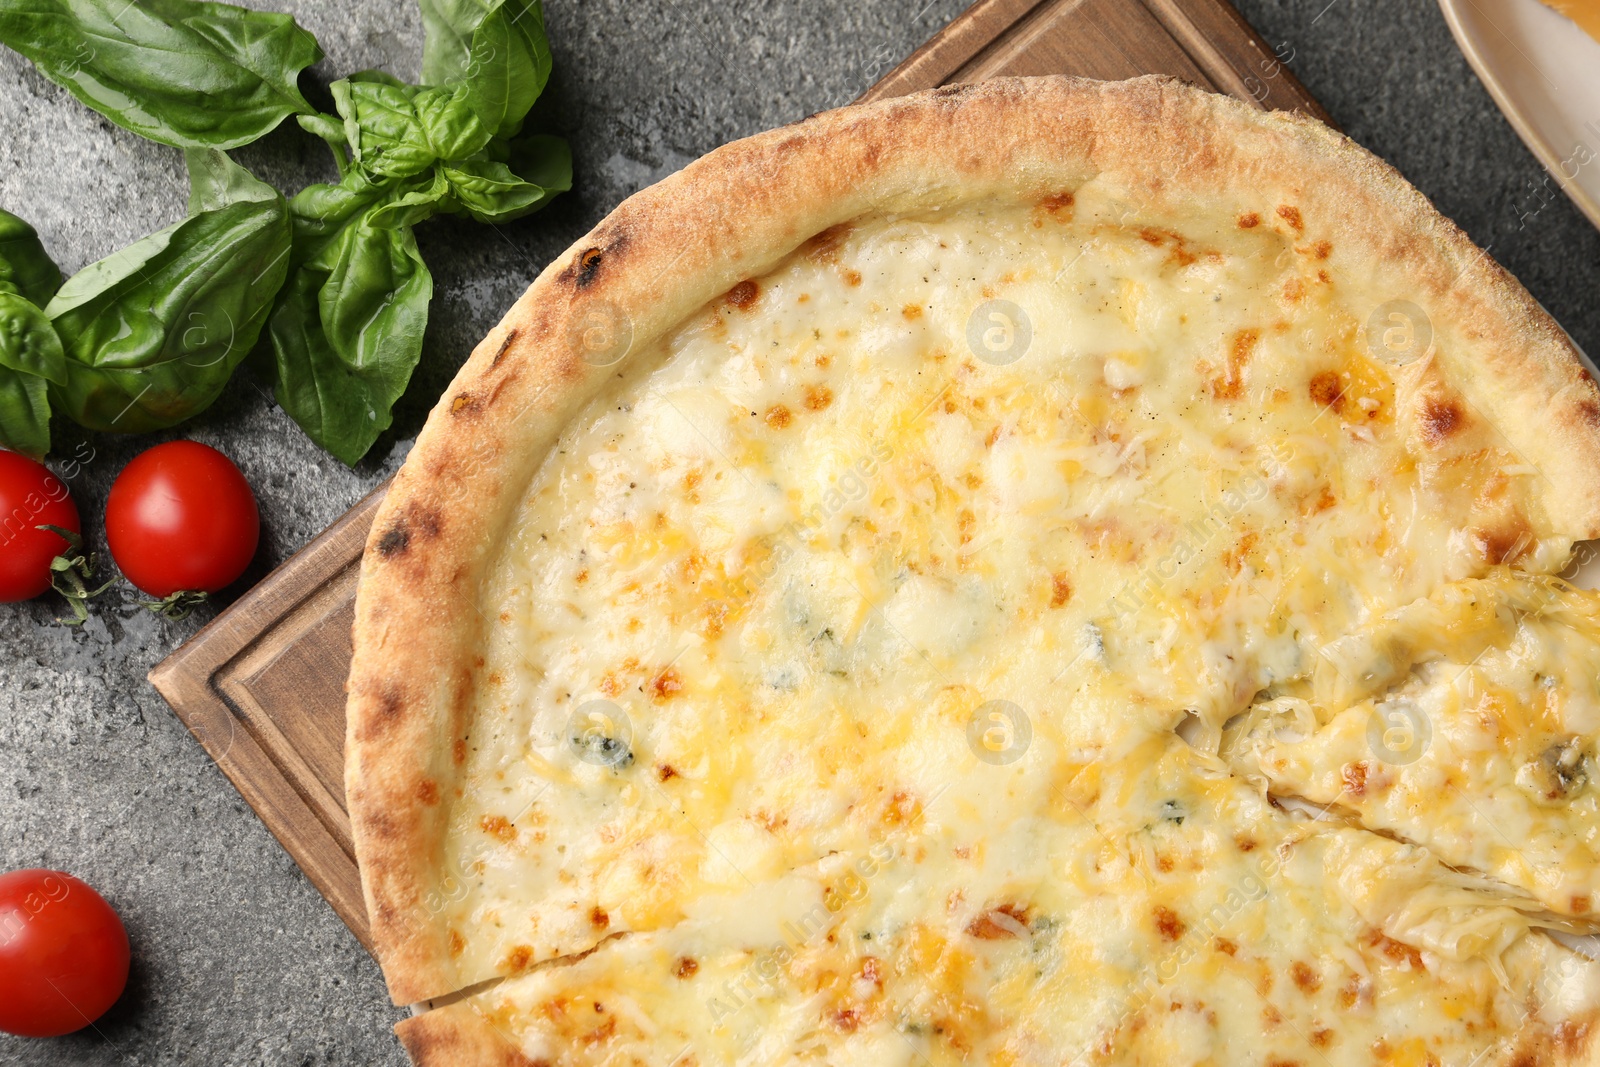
1206 28
1254 72
224 637
943 54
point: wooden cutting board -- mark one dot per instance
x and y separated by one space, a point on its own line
262 686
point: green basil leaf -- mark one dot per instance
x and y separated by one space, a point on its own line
153 332
181 72
25 267
385 138
24 413
489 192
28 340
449 121
30 358
332 131
347 332
497 48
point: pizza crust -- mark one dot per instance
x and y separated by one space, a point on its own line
736 213
455 1035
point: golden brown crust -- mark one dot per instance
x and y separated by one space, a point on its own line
459 1035
734 214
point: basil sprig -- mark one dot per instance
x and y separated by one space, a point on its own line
185 73
147 337
348 330
153 332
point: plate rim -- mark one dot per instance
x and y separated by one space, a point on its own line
1548 158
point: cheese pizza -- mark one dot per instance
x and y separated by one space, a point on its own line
1036 573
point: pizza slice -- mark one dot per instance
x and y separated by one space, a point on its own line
1175 917
1474 734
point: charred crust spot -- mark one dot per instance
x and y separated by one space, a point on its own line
1580 904
458 752
778 416
1291 214
1590 412
911 312
1322 249
505 346
818 397
395 540
589 261
685 967
1440 417
390 705
744 295
1249 221
1305 976
666 772
1060 590
1226 947
1168 925
598 918
519 958
825 245
457 943
1354 777
428 792
464 404
1327 391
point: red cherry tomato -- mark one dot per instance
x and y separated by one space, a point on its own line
181 518
63 954
30 497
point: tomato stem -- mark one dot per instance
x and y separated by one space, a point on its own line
178 605
70 574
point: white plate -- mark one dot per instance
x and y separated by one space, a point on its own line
1544 73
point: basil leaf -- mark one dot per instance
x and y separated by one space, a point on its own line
347 331
181 72
30 358
490 192
497 48
384 135
28 340
396 130
153 332
25 267
449 121
24 413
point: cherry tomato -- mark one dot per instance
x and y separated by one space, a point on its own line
181 518
30 497
63 954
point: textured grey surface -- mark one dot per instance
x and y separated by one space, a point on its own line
237 960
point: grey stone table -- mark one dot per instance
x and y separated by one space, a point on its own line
237 960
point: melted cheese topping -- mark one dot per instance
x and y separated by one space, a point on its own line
885 583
